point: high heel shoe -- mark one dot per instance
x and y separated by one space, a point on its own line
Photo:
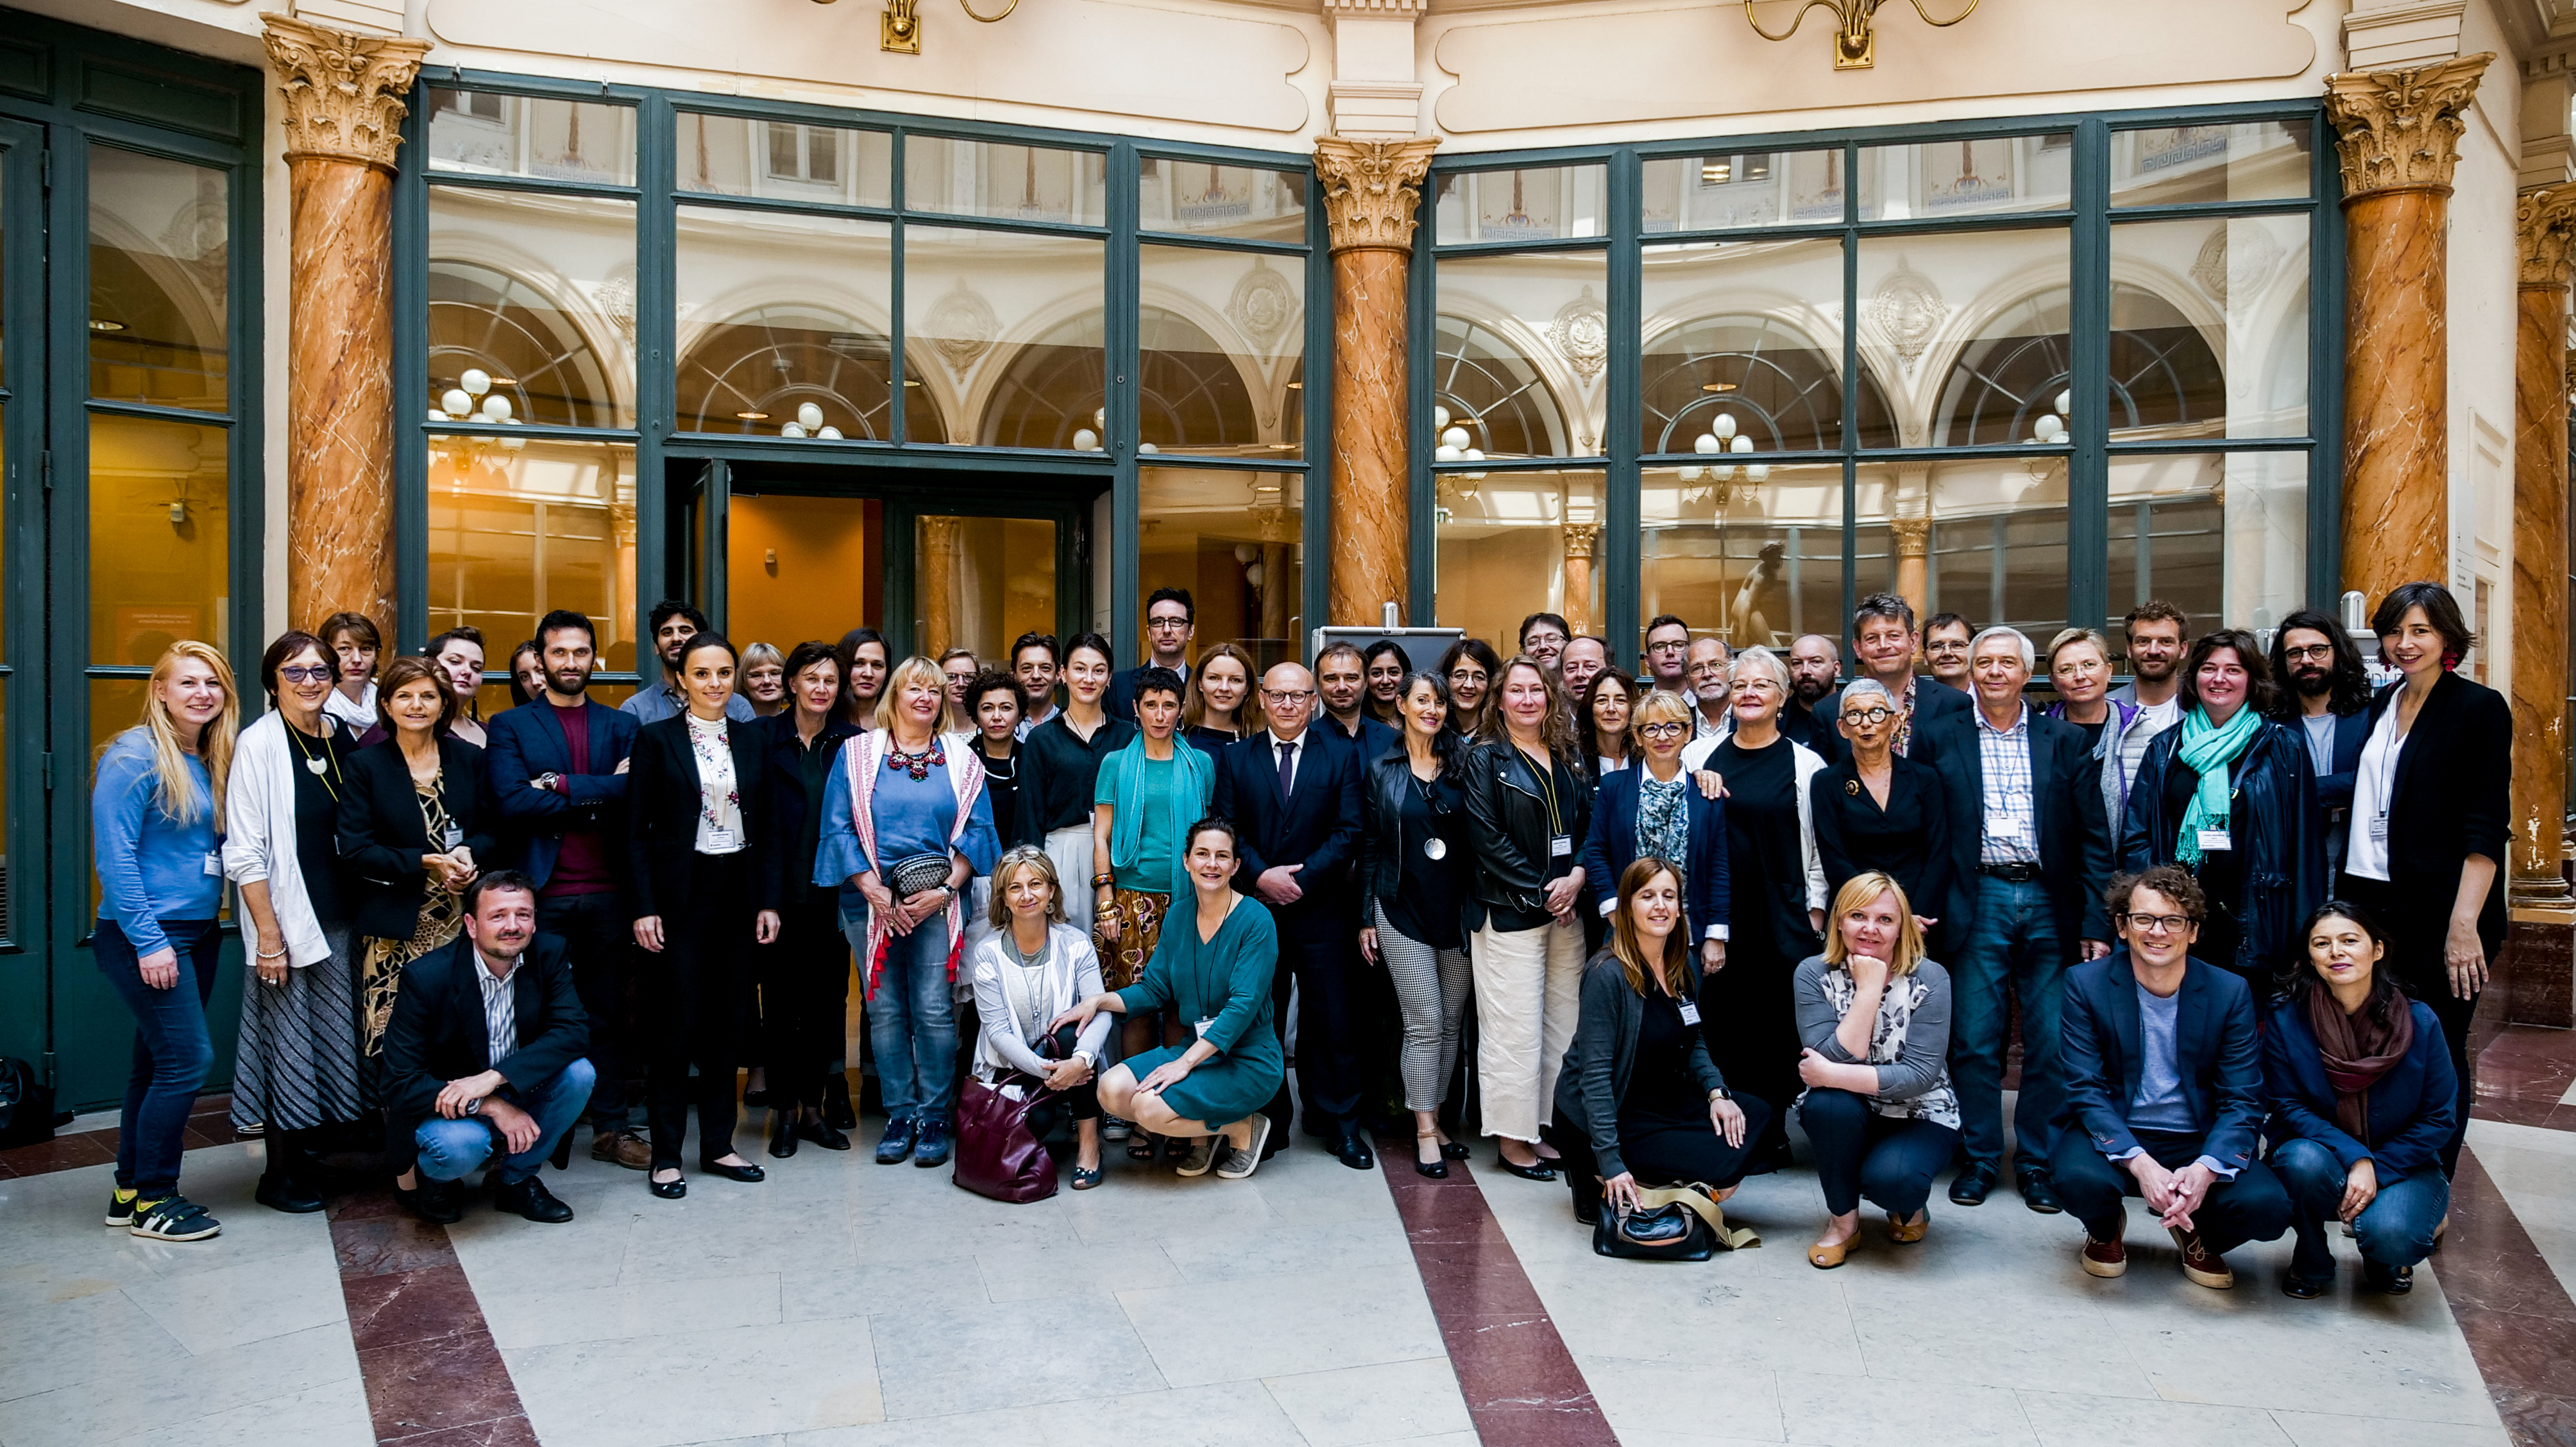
1453 1150
1437 1168
782 1134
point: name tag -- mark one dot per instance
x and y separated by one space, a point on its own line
2379 826
450 837
1690 1013
214 866
1560 846
2212 840
1202 1024
723 841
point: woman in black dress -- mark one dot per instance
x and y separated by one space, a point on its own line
1877 811
805 972
1776 895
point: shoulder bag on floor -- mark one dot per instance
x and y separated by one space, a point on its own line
1670 1223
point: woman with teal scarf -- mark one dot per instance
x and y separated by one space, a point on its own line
2231 796
1143 801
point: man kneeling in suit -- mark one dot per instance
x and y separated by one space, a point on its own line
484 1057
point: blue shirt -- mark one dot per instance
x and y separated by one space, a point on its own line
2160 1104
656 702
151 867
911 816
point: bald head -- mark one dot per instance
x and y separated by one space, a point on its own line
1815 663
1288 697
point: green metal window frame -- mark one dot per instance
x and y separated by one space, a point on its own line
658 445
2089 217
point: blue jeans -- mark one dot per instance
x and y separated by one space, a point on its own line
452 1149
172 1051
912 1025
2395 1229
2012 949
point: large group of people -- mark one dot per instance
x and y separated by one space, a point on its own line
1631 924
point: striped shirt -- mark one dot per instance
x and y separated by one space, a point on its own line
500 1011
2011 813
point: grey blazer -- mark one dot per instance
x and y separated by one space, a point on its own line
1604 1054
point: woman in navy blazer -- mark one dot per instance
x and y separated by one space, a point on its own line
2363 1099
1663 725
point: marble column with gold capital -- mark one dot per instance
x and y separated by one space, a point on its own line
1582 540
344 111
1913 561
2398 134
2545 239
1371 191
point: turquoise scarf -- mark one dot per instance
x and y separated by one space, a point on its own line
1194 781
2209 750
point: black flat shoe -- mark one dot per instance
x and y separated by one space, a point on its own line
668 1190
782 1134
836 1103
1353 1151
1973 1184
813 1128
1540 1172
2038 1193
2304 1289
279 1191
1454 1150
762 1099
745 1174
2394 1280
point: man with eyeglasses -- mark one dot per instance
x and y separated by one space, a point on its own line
1543 637
1294 792
1945 650
1706 662
2330 693
2164 1090
2030 852
1668 655
1171 622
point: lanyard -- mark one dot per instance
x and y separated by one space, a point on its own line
326 768
1547 790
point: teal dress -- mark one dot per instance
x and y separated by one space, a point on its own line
1226 982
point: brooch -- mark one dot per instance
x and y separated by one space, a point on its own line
1852 787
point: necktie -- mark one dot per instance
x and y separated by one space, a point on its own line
1287 768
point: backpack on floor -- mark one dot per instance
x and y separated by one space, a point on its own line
26 1105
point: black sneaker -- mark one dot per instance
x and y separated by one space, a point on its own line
120 1207
173 1218
932 1149
531 1199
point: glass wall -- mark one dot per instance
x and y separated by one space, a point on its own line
1235 540
2027 375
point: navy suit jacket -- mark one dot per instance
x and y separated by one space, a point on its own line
2218 1057
1611 846
1373 740
2334 789
2409 1110
1317 826
527 742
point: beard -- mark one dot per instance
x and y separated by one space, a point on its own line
2155 670
2312 682
1809 690
568 681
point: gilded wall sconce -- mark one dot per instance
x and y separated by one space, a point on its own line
1855 42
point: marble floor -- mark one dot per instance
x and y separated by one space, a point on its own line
845 1303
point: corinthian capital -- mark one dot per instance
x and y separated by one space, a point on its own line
2544 236
2400 129
1371 189
344 93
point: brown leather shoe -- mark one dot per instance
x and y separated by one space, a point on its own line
2105 1258
624 1147
2203 1266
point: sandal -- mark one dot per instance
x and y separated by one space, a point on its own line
1084 1180
1141 1146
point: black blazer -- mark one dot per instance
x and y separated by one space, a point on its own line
437 1032
662 816
2273 822
527 742
2454 798
784 807
2217 1055
1853 835
383 836
2334 788
2074 836
1317 826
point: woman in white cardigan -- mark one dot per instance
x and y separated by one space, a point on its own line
1032 968
296 1067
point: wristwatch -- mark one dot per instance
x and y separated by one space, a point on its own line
1719 1093
474 1106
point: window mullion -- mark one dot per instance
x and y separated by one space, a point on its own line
2088 486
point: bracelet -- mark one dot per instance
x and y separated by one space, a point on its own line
1099 880
269 955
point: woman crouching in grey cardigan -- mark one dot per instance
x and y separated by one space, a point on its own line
1874 1016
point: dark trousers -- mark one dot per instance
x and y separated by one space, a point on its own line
1889 1159
172 1050
805 999
2418 930
1055 1107
2395 1229
1748 1015
597 936
1332 1027
1659 1152
697 1003
2251 1207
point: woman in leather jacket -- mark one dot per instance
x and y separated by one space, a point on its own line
2231 796
1416 869
1529 814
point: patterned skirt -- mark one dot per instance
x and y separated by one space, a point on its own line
1140 928
442 918
296 1064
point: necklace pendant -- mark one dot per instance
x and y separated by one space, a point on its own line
315 765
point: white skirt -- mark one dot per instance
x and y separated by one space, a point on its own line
1070 850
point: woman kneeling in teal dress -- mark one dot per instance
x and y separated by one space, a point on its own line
1215 974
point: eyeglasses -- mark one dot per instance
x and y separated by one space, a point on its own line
1669 646
2156 924
1871 715
1287 695
1664 730
307 673
1160 625
2318 652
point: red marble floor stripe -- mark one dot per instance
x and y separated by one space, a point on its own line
2523 1072
434 1376
2517 1318
1521 1384
208 1125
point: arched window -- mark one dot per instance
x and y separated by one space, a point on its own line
751 372
2163 373
487 320
1781 389
1495 393
1190 393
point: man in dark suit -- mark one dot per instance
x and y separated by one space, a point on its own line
484 1057
1341 678
2030 853
2164 1090
557 766
2320 670
1294 792
1171 621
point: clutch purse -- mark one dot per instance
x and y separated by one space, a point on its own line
915 873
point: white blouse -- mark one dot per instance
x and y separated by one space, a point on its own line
2365 851
720 828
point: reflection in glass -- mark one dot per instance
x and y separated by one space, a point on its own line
1745 188
1744 350
160 516
1966 177
738 156
159 273
1940 313
980 582
1521 352
1748 553
1997 541
518 528
2242 161
536 293
548 137
2200 291
994 178
2221 536
1218 200
1223 335
1233 539
1005 328
783 325
1510 543
1530 204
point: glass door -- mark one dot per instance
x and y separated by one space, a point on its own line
981 582
24 1012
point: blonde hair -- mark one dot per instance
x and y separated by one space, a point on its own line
1663 705
1859 892
1675 967
1248 716
1015 859
915 669
2066 636
176 790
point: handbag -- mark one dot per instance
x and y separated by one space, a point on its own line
998 1151
27 1115
915 873
1670 1223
